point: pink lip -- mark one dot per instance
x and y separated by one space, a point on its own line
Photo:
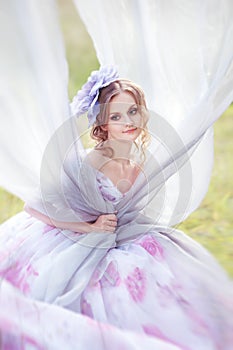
128 131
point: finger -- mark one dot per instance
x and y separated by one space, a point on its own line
107 229
112 217
111 228
114 220
113 223
110 222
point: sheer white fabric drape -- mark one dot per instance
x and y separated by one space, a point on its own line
181 53
33 90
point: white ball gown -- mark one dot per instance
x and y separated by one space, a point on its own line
147 285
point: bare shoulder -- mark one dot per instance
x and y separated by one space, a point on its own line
96 158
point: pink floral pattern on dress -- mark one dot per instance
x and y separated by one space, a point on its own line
111 276
165 295
151 245
157 333
136 285
14 246
48 228
200 326
86 309
18 277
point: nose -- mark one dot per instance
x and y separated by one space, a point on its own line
127 120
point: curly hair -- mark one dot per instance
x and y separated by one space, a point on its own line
105 96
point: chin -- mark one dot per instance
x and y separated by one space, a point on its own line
132 136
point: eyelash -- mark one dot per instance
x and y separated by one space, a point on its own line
116 117
133 111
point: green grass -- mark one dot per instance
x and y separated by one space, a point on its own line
80 51
9 205
211 224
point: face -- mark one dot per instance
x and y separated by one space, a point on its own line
124 119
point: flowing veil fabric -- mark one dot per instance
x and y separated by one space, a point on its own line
33 90
181 55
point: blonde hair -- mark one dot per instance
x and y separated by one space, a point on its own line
105 96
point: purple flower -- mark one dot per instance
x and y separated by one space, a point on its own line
136 284
153 247
86 98
86 309
111 276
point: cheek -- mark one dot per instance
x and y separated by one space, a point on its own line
138 120
114 128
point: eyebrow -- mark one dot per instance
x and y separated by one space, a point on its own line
117 112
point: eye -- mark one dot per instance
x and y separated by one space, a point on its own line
115 117
133 111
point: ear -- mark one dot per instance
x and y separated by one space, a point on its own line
104 127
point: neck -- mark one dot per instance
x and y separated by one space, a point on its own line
122 150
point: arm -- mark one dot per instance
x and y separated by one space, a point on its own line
104 223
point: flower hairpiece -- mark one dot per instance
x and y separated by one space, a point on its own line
86 98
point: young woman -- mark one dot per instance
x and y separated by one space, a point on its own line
115 265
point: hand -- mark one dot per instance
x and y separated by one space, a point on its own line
105 223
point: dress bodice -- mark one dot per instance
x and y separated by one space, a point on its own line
108 190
